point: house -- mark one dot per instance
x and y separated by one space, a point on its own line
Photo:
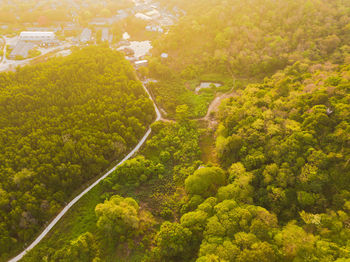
155 28
141 63
105 35
37 36
85 35
143 16
153 14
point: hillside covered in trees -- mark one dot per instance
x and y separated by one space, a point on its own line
245 40
62 123
275 186
280 191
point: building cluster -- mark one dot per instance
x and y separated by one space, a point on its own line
71 33
29 40
157 18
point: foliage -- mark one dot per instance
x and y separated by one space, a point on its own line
242 40
171 92
117 217
291 130
133 172
173 242
281 192
62 123
205 181
174 144
254 37
151 179
84 249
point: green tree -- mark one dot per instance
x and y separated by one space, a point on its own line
118 217
173 242
205 181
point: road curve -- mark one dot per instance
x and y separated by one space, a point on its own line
77 198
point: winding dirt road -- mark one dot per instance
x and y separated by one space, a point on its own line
214 105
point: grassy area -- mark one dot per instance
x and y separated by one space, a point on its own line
207 144
214 77
170 94
78 220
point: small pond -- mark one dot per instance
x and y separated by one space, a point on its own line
207 85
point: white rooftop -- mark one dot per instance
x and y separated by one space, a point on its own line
36 33
153 13
142 16
141 62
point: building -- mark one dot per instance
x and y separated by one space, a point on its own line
141 63
153 14
86 35
37 36
105 35
143 17
155 28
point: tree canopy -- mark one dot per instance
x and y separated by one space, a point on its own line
62 123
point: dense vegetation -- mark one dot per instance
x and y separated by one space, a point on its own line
62 123
117 227
170 94
291 132
257 36
285 146
279 190
245 39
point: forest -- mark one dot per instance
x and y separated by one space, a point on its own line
245 40
62 123
265 177
279 191
119 220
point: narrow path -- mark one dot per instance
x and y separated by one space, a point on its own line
159 114
77 198
214 105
